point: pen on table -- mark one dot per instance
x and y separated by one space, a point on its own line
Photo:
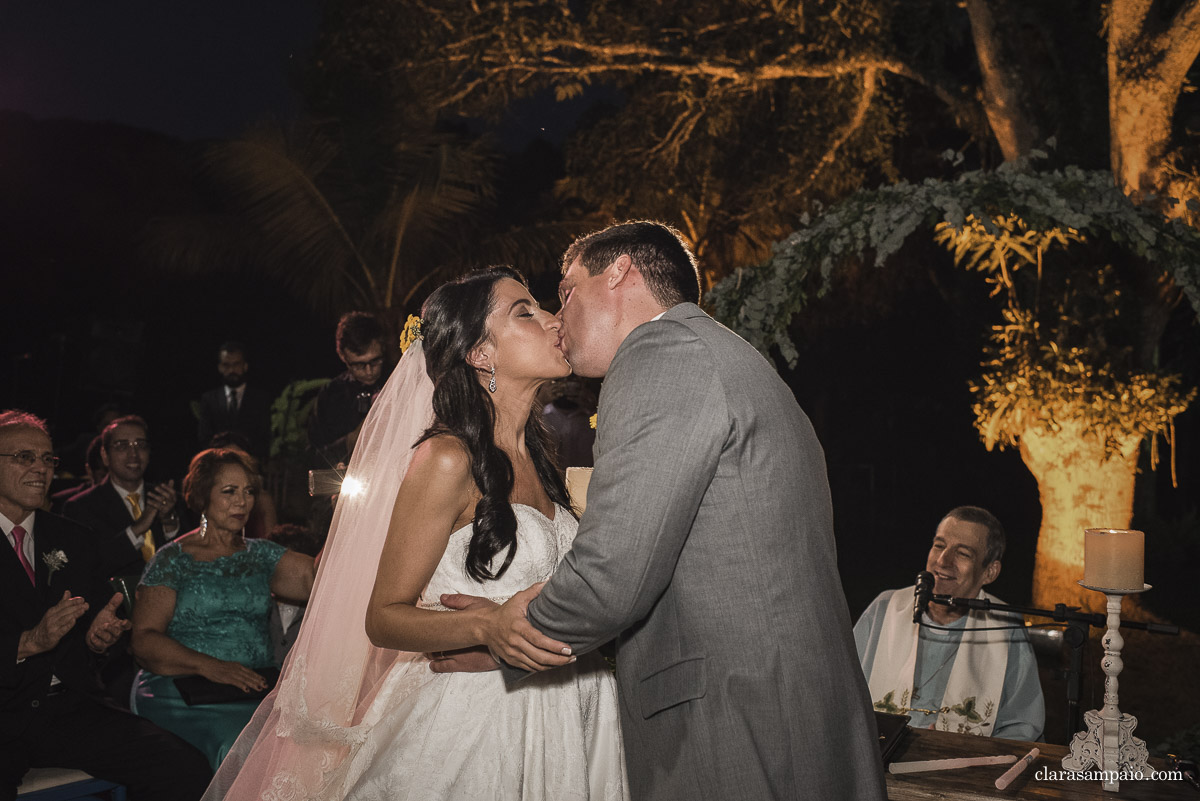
1016 769
949 764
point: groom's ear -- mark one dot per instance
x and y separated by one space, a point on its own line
619 271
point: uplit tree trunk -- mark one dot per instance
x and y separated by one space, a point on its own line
1081 487
1148 61
1140 124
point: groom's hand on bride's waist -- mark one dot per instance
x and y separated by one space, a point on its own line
508 635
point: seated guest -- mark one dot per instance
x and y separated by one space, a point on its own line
943 674
204 603
235 405
74 453
343 403
285 615
264 516
55 618
130 520
94 472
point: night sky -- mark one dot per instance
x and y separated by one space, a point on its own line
189 69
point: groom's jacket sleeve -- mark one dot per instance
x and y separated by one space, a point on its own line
663 422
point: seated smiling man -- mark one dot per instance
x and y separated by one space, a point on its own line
947 673
56 620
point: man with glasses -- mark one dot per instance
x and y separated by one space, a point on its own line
343 403
130 519
56 618
235 405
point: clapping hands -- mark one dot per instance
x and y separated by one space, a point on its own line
160 503
107 628
58 620
162 499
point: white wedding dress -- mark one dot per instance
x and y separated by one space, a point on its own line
553 737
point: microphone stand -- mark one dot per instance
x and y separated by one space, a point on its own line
1075 635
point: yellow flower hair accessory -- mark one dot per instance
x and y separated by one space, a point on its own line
592 420
411 332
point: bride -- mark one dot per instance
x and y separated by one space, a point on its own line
451 490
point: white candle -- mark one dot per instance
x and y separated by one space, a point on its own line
578 479
1113 558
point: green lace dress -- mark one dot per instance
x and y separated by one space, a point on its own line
222 608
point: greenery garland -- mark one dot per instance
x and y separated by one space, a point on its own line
984 217
759 303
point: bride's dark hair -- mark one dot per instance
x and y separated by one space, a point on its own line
454 322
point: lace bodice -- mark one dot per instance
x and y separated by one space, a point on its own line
223 606
541 544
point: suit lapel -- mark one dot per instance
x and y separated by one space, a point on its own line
116 501
44 541
121 512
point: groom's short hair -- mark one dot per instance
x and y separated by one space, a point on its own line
657 250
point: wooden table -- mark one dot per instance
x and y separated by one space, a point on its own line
978 784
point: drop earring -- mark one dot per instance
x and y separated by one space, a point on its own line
492 383
203 525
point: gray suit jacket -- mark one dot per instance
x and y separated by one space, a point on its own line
707 549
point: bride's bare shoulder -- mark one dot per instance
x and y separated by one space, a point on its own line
444 456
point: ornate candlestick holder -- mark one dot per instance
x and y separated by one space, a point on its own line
1109 744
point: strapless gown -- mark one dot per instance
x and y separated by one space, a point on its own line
467 736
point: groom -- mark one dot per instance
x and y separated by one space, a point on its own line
707 548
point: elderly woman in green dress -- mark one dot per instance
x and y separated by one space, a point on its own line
203 606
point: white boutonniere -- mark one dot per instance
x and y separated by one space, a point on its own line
55 560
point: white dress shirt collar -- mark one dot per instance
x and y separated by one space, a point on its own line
9 525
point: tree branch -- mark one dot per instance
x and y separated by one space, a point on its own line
1180 42
870 86
552 59
1002 85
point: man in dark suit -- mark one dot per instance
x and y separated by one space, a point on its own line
130 520
51 713
235 406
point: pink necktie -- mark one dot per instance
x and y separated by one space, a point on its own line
19 536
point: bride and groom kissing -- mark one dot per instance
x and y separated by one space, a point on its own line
706 552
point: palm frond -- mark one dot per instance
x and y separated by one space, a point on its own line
270 178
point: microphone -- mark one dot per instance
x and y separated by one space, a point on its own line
921 595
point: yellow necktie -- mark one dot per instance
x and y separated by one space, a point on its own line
148 538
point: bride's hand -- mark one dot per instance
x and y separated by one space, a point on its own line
511 637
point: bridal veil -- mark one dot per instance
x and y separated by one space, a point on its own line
305 728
